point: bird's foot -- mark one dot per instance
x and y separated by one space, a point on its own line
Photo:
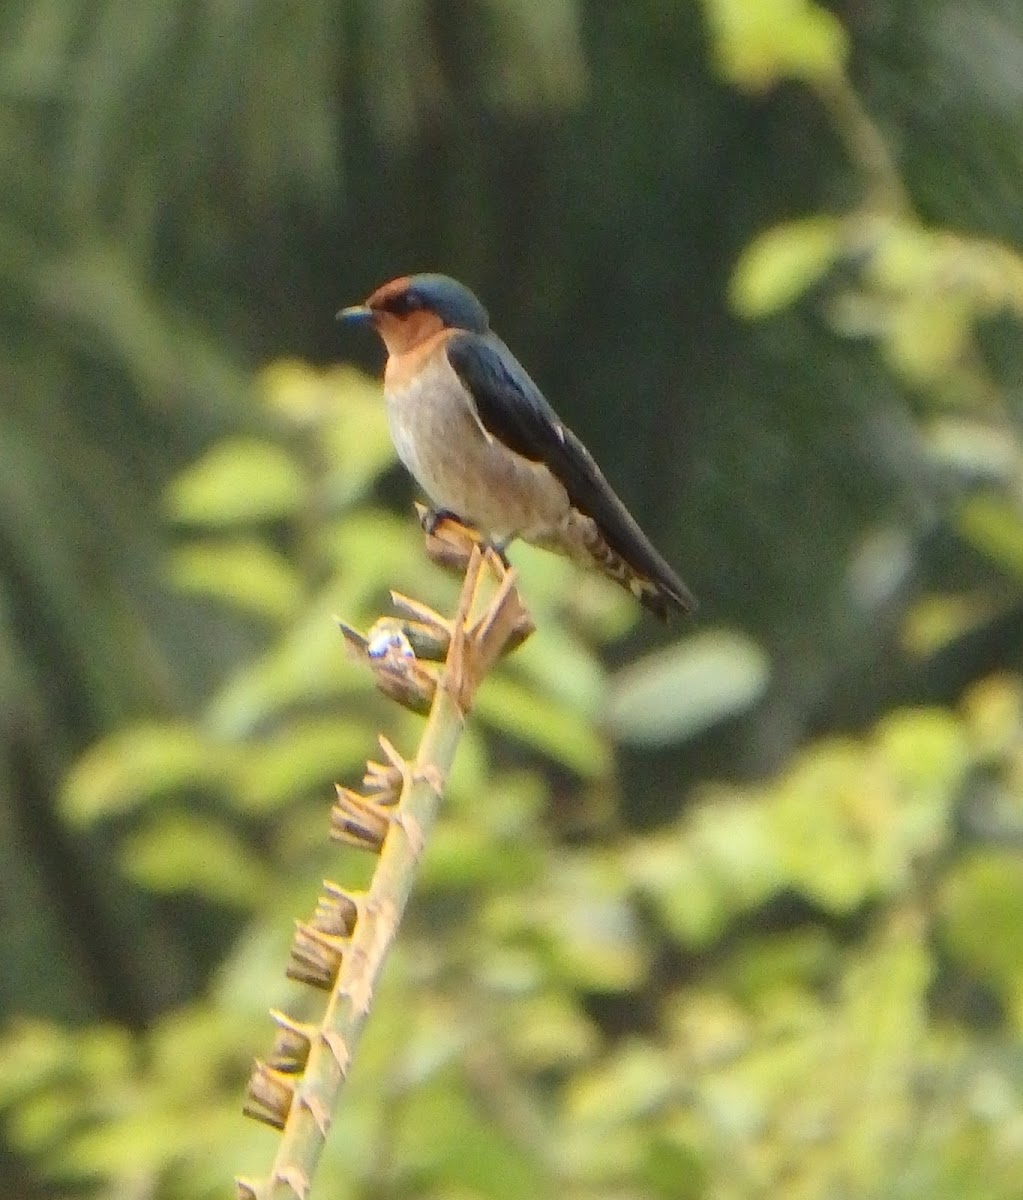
432 518
449 538
449 541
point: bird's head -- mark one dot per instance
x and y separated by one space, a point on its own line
407 311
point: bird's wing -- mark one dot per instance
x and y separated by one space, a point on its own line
512 409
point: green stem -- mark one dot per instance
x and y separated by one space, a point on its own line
473 649
380 912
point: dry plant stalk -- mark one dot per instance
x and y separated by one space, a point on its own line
343 947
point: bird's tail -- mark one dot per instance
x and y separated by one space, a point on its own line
651 593
581 539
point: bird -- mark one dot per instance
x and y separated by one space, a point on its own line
480 439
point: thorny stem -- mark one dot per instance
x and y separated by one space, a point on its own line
304 1101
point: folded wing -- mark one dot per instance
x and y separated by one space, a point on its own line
513 409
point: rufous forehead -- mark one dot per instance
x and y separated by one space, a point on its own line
387 290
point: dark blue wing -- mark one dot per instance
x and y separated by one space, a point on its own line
513 409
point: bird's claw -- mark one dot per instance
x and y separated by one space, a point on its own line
432 518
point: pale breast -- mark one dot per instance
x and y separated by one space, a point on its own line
461 468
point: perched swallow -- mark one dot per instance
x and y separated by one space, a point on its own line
480 439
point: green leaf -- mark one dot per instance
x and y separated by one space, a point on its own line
778 266
247 575
995 526
926 336
127 770
564 667
464 855
557 730
344 409
156 1138
927 756
722 861
38 1055
445 1136
370 552
982 905
993 711
180 853
851 818
678 692
551 1032
240 481
973 449
688 898
305 756
822 815
356 442
592 926
936 622
42 1122
632 1084
756 43
310 665
781 964
674 1171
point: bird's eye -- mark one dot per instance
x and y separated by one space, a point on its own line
403 303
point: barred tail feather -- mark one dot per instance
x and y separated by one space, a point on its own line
581 538
651 594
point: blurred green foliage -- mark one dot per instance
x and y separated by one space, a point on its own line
734 916
739 1000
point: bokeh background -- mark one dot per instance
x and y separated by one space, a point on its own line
729 910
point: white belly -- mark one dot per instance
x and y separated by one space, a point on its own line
462 469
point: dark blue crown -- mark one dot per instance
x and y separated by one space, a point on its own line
456 306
